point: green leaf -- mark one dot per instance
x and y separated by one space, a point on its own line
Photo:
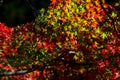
75 33
53 23
79 53
76 24
113 14
55 10
107 70
58 13
83 10
42 11
98 30
70 27
104 35
59 44
80 7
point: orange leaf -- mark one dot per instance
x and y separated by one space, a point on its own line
94 24
63 20
25 37
69 1
39 45
73 41
53 2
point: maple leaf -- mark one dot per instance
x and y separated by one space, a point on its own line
53 2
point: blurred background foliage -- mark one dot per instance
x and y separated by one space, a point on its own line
16 12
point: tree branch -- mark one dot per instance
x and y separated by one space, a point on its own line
33 8
21 72
35 67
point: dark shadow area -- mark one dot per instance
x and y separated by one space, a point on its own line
16 12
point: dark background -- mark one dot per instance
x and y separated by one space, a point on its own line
15 12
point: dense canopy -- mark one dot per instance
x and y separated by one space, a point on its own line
72 39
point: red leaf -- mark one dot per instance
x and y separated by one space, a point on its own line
45 45
1 65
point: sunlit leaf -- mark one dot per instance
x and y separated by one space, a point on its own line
98 30
88 0
59 44
103 35
58 13
113 14
84 29
76 57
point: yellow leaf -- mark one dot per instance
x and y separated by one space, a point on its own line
68 33
76 57
0 51
67 38
82 70
98 30
59 44
88 0
72 35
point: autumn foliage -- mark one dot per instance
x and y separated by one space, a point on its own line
73 40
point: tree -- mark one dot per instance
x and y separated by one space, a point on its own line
72 40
